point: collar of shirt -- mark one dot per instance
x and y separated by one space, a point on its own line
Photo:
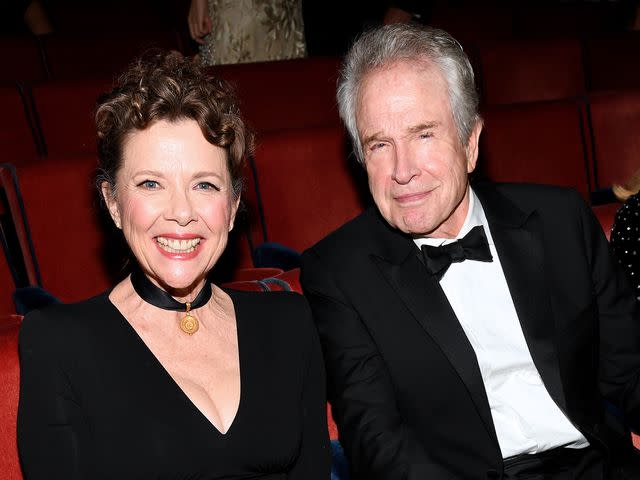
475 217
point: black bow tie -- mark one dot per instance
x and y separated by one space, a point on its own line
473 246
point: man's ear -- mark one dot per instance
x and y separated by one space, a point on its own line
110 200
471 149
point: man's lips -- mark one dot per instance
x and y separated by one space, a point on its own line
409 198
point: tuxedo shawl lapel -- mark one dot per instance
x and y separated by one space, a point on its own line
518 239
399 263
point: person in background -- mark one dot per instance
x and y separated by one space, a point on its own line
625 234
166 375
240 31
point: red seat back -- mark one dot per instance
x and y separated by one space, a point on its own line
615 121
536 142
307 184
611 61
17 138
606 214
75 55
65 112
531 70
75 257
285 94
21 59
9 392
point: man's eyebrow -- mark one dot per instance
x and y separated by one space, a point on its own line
423 126
369 138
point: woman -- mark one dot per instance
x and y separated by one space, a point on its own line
167 376
241 31
625 234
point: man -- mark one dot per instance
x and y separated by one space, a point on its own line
487 357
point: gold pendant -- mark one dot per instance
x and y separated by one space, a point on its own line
189 324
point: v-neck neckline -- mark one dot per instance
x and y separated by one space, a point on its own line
165 372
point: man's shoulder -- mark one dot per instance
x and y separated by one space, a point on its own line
532 196
351 236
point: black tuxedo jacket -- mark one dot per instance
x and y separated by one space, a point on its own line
404 381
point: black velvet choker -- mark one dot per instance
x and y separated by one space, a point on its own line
157 297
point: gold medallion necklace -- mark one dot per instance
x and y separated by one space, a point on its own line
157 297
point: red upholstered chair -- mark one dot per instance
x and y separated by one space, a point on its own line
21 59
615 122
9 391
531 70
535 142
76 255
7 288
85 55
65 113
247 286
471 22
307 184
286 94
611 61
605 215
248 274
18 141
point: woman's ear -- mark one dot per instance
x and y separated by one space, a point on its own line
109 197
234 212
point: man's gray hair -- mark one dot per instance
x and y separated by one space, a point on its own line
386 45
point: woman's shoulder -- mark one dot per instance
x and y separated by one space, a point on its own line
64 320
288 311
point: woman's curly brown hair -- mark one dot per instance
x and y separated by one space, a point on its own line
168 86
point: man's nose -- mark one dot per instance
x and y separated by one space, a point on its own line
405 167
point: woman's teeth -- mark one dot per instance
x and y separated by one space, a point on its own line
173 245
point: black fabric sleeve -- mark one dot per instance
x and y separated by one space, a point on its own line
50 423
377 442
314 460
619 321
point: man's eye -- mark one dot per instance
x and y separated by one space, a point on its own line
426 135
149 184
377 146
207 186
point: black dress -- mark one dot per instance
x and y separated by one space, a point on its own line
96 403
625 240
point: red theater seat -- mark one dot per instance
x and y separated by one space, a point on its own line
9 391
17 138
8 286
65 112
615 121
307 184
75 257
535 142
21 59
531 70
606 215
612 61
82 55
286 94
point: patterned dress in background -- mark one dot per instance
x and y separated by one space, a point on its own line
625 240
253 31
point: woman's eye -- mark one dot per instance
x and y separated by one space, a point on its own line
149 184
207 186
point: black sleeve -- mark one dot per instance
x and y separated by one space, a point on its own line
314 460
377 441
50 423
619 321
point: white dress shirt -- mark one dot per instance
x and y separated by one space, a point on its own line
525 417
